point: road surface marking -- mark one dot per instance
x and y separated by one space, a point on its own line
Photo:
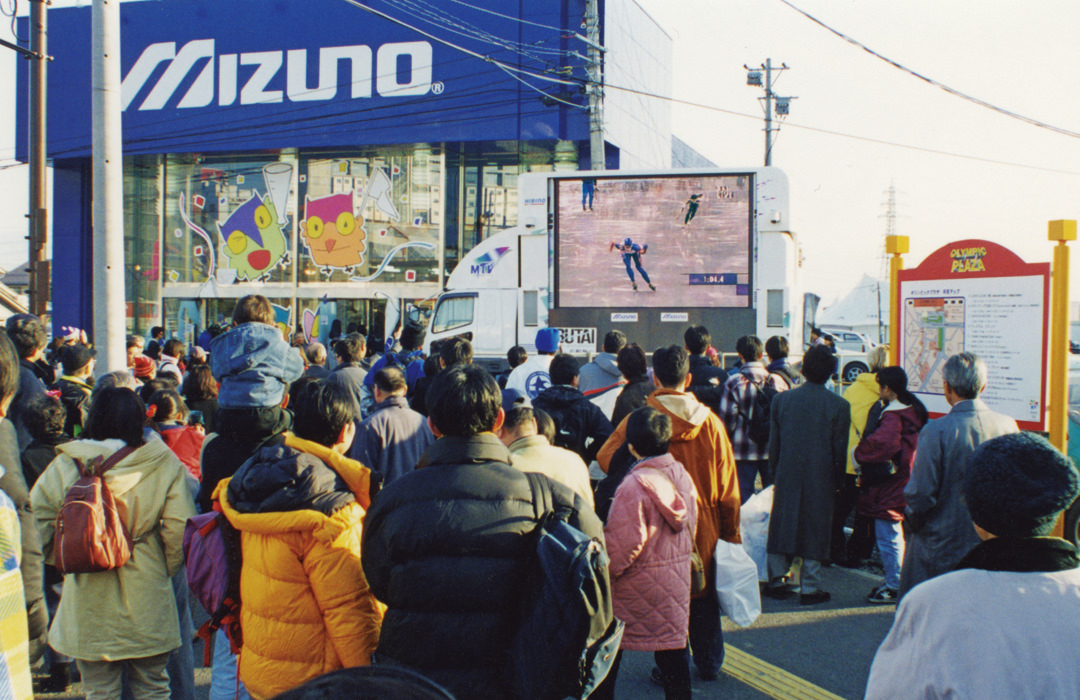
771 680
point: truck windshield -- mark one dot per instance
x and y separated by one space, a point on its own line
453 312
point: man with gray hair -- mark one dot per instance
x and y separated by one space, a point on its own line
940 525
315 358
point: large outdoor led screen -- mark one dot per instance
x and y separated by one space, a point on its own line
673 241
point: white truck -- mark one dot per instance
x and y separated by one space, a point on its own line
645 252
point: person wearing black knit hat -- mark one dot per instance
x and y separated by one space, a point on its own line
1004 623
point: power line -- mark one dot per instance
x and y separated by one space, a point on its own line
841 134
282 127
546 95
444 42
516 19
439 18
931 81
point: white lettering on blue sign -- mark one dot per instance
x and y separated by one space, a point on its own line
383 71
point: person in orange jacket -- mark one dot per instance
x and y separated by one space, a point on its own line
306 608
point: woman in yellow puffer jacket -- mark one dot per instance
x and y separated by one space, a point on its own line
863 393
306 608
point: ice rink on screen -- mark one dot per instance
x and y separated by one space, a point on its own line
652 211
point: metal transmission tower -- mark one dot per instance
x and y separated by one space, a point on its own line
890 230
783 104
890 225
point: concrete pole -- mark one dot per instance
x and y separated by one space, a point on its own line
1062 232
39 223
895 246
768 112
597 156
109 310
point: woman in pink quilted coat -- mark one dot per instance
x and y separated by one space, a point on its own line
650 537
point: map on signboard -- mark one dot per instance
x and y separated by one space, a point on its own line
933 330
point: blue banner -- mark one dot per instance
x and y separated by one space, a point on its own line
235 75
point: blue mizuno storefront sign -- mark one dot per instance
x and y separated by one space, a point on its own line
202 75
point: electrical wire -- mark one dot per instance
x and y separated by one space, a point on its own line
496 108
444 42
13 15
841 134
510 17
547 95
304 124
437 17
952 91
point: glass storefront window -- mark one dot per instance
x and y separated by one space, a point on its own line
481 186
336 234
236 221
371 216
142 242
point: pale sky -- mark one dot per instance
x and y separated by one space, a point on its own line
1023 57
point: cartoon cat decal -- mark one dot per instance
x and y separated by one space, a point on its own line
334 236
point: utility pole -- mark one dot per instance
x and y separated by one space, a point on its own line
108 173
597 157
783 104
37 266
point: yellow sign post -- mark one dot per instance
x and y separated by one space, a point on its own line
1061 231
895 246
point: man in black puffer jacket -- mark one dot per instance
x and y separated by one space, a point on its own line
448 548
580 425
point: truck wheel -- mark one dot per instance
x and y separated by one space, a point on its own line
1072 523
852 370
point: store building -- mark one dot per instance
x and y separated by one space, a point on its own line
338 161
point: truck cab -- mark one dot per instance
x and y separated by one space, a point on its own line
496 297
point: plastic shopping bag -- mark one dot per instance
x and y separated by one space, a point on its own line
737 583
754 527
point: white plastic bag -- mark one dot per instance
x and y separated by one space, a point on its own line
737 583
754 528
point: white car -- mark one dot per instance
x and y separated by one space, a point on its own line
851 341
852 347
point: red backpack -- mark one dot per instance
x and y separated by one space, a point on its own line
90 535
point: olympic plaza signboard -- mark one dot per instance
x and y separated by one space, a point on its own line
979 297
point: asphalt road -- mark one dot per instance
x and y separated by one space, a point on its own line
830 646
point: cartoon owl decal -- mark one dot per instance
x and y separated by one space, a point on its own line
333 235
254 242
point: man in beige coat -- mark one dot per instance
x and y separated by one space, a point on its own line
531 452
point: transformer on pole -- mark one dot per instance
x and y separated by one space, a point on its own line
783 104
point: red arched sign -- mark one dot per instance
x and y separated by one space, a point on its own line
977 296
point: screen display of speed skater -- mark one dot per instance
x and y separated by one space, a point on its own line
674 241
